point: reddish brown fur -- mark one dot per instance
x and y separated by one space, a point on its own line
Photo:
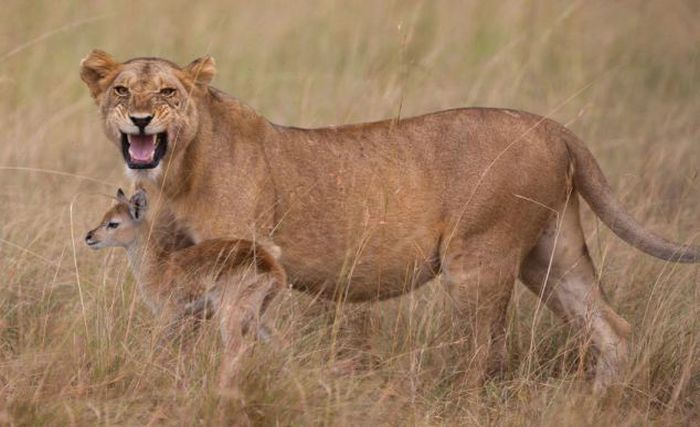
235 279
215 259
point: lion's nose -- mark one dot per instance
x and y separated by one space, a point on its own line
141 121
88 236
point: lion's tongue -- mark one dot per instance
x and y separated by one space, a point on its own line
142 148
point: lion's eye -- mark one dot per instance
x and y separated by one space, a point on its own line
167 91
112 224
121 90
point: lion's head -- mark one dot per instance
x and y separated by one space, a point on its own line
149 105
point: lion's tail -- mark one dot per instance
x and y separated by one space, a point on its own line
591 183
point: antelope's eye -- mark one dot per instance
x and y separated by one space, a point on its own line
121 90
112 224
167 91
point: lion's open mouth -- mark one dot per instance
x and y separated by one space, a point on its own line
144 151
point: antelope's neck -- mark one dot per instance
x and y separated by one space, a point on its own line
146 257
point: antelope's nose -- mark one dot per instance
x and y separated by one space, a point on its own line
141 121
88 237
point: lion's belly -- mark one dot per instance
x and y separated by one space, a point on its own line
373 266
379 241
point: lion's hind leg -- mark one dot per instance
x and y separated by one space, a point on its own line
560 271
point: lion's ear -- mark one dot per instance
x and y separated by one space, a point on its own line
95 69
201 70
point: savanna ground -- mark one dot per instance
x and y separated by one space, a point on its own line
77 346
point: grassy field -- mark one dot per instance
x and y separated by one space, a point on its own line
77 346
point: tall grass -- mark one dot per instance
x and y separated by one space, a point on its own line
77 345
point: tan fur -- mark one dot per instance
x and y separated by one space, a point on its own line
372 210
233 279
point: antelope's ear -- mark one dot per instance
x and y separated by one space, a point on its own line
202 70
97 71
121 197
138 205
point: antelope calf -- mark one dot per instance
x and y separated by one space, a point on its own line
233 280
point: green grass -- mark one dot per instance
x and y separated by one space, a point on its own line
77 345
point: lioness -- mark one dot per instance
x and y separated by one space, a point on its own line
373 210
